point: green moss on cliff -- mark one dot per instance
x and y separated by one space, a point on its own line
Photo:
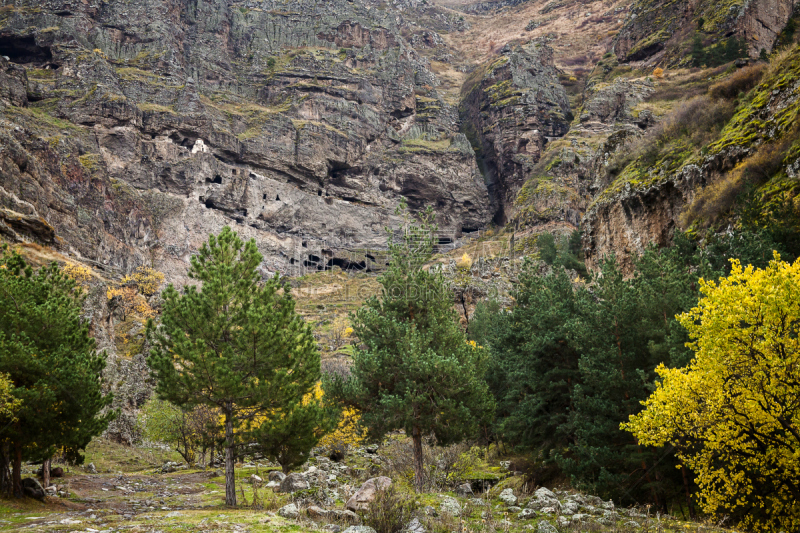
769 114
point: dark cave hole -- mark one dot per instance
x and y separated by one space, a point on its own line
217 179
277 198
25 50
265 197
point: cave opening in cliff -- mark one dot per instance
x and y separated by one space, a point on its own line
277 198
346 264
265 197
24 50
217 179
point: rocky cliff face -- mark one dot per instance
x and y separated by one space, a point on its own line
645 207
659 32
513 106
134 130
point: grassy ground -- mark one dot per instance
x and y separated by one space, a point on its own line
127 494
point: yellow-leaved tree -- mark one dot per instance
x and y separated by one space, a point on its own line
734 412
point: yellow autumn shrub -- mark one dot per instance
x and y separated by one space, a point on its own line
79 273
734 412
347 432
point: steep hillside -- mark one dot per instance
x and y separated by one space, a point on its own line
689 171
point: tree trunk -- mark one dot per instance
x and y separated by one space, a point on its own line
419 473
230 479
5 473
46 473
16 474
688 492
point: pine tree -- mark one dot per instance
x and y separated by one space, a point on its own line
416 370
46 350
234 343
288 439
534 364
698 52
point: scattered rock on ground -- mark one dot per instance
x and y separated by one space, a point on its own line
359 529
366 494
546 527
293 483
289 511
415 526
450 506
507 497
316 512
276 475
464 489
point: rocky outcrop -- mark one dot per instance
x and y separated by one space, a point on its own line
512 107
628 215
658 31
367 493
572 171
302 123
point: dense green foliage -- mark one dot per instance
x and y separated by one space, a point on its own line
573 359
235 343
50 359
566 252
717 54
416 370
288 439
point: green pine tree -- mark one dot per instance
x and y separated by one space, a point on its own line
46 351
416 370
288 439
234 343
534 364
698 52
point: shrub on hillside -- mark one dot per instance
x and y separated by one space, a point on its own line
390 512
741 81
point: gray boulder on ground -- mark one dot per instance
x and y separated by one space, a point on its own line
366 494
465 489
526 514
507 497
415 526
289 511
570 507
90 468
293 483
546 527
359 529
32 489
344 515
450 506
316 512
543 499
